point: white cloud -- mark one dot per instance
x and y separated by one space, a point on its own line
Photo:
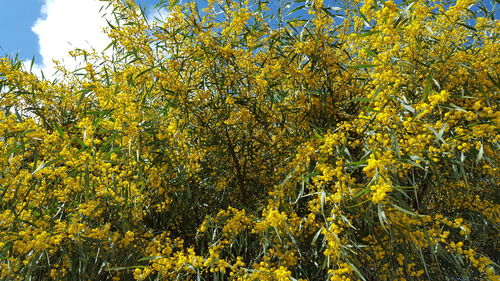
65 26
158 15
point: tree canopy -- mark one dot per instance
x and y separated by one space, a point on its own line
313 140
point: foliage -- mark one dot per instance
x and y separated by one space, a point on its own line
244 141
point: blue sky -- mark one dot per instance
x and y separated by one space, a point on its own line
47 29
41 29
17 18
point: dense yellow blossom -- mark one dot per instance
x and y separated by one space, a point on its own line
245 141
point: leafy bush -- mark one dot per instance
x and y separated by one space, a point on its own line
247 141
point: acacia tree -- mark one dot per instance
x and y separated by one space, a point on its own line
321 140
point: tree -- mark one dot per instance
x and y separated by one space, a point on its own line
246 142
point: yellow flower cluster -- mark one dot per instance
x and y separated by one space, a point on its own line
250 142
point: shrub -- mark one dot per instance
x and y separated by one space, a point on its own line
246 141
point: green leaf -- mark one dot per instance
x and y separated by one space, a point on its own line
408 107
347 221
495 82
92 240
462 97
59 130
427 89
405 211
467 26
358 163
367 22
363 66
480 153
410 159
368 33
439 135
395 144
455 107
360 99
35 159
381 215
296 9
119 268
357 271
43 165
151 258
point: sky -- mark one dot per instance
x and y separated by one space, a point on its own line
48 29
